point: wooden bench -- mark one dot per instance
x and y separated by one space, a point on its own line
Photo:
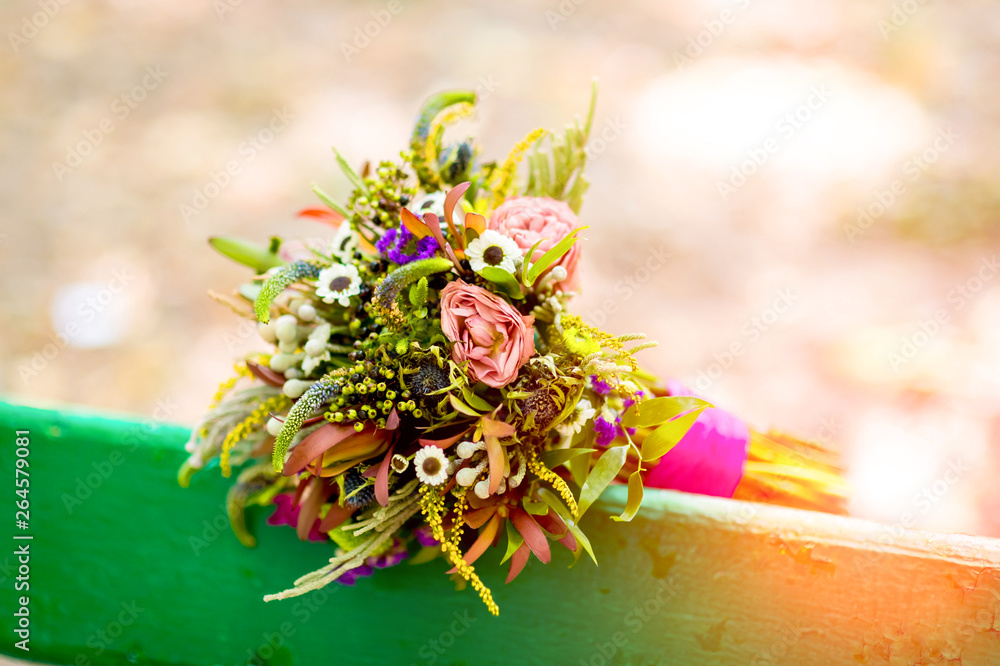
127 567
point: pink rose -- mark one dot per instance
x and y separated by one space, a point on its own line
531 219
487 331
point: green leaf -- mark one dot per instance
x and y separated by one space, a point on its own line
556 457
461 407
659 442
514 541
634 498
352 176
553 501
659 410
418 293
579 466
552 256
534 507
604 472
325 198
475 401
244 252
526 264
504 280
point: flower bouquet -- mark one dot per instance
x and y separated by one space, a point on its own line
425 392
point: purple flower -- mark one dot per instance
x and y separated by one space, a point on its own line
350 577
401 247
601 387
606 431
632 400
286 514
390 559
425 538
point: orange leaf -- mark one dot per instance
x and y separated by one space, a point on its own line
415 224
450 200
499 429
323 215
494 451
382 478
532 533
475 221
435 227
312 499
335 517
483 542
517 561
476 519
314 445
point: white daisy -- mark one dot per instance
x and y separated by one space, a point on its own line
338 283
574 423
493 249
431 203
344 242
431 465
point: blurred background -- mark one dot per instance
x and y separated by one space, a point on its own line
800 201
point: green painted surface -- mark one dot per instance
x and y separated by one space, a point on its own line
126 567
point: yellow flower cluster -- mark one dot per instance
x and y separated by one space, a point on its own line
224 389
536 467
432 507
256 420
503 178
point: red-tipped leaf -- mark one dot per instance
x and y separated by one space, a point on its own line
517 561
533 535
382 478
